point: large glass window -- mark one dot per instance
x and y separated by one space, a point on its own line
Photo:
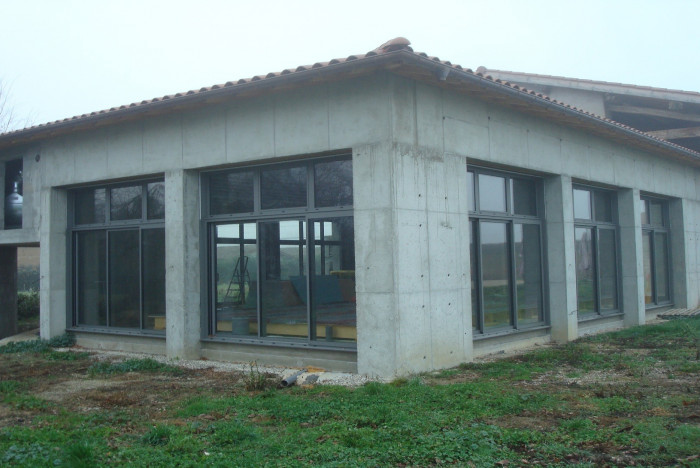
288 276
119 256
655 247
595 241
506 251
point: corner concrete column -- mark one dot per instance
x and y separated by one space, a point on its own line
182 265
8 291
561 258
53 257
631 256
681 236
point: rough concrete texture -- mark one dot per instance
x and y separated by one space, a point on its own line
8 291
53 263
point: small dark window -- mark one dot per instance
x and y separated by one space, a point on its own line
283 188
492 193
470 190
155 202
603 206
582 204
656 213
524 197
231 193
125 203
333 183
90 206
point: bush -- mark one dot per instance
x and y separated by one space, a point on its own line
27 304
38 346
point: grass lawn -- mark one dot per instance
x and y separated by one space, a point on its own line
625 398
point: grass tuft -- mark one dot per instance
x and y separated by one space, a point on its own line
132 365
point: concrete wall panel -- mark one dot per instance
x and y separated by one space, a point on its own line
125 150
301 121
204 138
162 144
250 130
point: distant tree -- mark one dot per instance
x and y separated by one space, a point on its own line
8 119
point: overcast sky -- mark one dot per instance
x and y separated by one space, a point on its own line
61 58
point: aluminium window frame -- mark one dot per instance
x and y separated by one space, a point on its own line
510 219
653 229
308 214
597 226
108 226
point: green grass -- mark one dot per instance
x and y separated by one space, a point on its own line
617 399
38 346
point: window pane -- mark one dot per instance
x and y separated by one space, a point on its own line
661 264
334 280
333 183
470 191
645 212
231 193
284 278
155 202
656 213
90 206
125 203
153 252
582 204
648 276
585 270
474 272
492 193
91 286
283 188
495 274
236 292
524 197
124 278
528 273
603 206
608 269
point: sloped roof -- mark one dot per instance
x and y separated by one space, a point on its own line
395 56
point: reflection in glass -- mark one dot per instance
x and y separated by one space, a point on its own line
155 200
582 204
236 278
231 193
661 264
608 269
603 206
645 212
474 269
90 206
333 285
528 277
333 183
492 193
284 270
656 213
648 275
495 267
523 197
470 191
585 270
91 285
125 203
153 253
124 279
283 188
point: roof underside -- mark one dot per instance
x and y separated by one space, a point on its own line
396 57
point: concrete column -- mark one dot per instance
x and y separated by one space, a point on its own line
182 265
53 256
561 258
681 235
8 291
631 256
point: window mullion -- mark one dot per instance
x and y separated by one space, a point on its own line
596 259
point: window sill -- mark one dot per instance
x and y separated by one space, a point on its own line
594 317
659 306
283 343
117 331
507 332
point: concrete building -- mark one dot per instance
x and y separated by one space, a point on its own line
385 213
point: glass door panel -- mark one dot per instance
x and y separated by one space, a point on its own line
236 275
284 278
333 283
495 274
648 268
585 271
661 264
124 279
528 273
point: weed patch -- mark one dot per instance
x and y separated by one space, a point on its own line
132 365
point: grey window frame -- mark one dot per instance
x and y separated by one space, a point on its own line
309 214
510 219
653 229
597 226
109 226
